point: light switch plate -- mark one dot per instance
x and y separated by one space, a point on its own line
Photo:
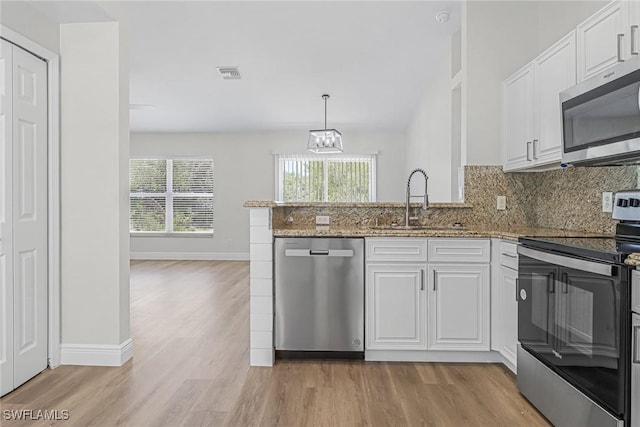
501 203
607 201
323 219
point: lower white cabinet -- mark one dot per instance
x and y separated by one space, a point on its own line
508 316
459 307
396 304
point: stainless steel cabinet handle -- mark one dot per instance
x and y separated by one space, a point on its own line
517 288
528 158
636 344
634 31
533 149
620 37
434 280
422 280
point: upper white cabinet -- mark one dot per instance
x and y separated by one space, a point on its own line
532 129
607 37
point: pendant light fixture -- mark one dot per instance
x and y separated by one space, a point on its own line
325 140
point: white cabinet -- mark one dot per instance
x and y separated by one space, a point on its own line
532 129
458 307
604 39
504 306
396 305
518 118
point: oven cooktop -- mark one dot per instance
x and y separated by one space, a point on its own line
599 248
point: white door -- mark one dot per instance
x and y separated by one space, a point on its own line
518 118
396 303
25 205
458 307
556 71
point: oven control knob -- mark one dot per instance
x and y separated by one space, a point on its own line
634 202
523 294
622 202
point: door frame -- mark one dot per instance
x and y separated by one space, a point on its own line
53 191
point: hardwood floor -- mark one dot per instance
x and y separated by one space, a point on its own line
190 327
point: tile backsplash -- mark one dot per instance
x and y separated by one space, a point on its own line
569 199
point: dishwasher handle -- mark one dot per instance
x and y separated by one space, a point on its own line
341 253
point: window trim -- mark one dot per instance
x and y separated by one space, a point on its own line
279 159
169 195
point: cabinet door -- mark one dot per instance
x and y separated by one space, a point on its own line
508 322
518 118
458 307
634 28
555 72
602 39
396 305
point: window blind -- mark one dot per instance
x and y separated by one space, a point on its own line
308 178
171 195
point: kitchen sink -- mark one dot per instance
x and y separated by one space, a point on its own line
417 227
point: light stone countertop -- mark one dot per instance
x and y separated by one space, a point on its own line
273 204
507 234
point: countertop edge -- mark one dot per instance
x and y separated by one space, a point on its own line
273 204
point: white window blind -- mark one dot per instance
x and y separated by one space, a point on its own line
309 178
171 195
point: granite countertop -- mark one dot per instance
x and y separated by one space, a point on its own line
507 234
272 204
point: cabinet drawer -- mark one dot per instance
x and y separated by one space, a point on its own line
459 250
635 291
394 249
509 254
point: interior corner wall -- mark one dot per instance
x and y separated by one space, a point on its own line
429 133
24 19
94 145
499 38
244 169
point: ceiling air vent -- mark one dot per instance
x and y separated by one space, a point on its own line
229 73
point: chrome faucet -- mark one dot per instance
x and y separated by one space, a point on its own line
425 201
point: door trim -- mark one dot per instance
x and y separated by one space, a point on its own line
53 176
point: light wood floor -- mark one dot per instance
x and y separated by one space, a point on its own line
190 327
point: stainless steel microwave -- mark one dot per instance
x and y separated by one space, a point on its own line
601 118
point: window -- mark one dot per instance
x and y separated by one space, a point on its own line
171 195
308 178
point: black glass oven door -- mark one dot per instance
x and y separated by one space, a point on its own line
588 334
536 307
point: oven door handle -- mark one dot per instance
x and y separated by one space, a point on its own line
575 263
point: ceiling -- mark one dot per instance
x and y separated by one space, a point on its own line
373 57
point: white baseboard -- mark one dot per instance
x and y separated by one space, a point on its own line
189 256
432 356
96 354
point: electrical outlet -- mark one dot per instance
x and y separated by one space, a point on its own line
322 219
607 201
501 203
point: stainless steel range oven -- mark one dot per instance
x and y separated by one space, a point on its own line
575 352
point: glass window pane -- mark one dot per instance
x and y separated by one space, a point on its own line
148 176
147 213
348 181
192 214
303 180
193 176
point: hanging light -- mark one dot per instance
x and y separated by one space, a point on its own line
325 140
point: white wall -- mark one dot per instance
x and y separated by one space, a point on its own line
244 170
94 177
429 133
31 23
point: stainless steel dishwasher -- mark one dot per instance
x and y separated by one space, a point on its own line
319 296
